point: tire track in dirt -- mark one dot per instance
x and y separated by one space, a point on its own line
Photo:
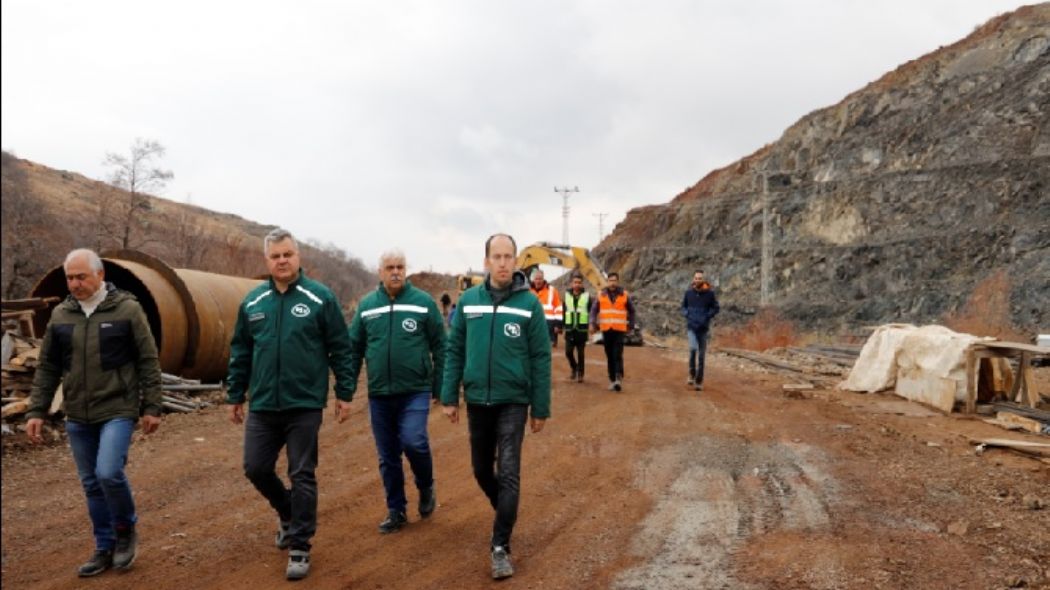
713 494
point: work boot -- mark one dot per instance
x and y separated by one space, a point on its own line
427 501
617 386
501 566
124 552
394 520
101 561
612 386
573 378
282 540
699 386
298 564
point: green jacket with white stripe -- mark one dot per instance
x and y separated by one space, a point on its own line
500 352
283 346
402 340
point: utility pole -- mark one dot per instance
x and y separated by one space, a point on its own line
767 243
564 191
601 227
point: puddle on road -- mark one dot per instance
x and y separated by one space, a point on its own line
712 495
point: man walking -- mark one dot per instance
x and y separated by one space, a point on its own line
552 309
98 345
575 320
400 333
290 330
699 306
500 350
613 314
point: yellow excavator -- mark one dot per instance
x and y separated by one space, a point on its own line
573 258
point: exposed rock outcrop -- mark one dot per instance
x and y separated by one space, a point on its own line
889 206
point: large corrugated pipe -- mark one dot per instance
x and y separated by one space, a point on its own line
191 313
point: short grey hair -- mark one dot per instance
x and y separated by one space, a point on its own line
278 235
392 254
93 259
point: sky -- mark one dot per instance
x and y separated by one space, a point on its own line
429 125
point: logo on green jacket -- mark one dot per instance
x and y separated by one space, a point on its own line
511 330
300 310
409 325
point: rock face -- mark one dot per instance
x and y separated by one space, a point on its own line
889 206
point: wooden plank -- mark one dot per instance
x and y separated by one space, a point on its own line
1028 377
1042 449
1015 346
971 381
1024 423
19 407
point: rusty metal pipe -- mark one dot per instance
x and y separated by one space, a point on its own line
191 313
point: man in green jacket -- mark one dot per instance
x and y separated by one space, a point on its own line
98 345
400 332
290 330
499 349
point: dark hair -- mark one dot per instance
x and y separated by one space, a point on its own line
488 243
575 275
699 270
613 274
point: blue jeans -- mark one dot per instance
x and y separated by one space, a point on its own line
101 452
697 351
399 425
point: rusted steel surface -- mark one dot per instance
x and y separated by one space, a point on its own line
192 313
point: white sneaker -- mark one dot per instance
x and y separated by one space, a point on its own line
298 564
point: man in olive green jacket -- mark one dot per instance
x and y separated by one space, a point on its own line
499 349
99 347
399 331
290 330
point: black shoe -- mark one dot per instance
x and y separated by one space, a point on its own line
501 566
101 561
617 386
124 552
579 377
427 501
394 521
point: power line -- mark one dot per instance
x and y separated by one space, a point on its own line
601 227
564 191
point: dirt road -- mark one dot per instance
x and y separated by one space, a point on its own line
653 488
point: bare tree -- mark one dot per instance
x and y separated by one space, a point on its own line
136 175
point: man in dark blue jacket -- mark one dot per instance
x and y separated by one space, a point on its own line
699 306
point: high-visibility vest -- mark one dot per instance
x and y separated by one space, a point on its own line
612 316
548 296
576 314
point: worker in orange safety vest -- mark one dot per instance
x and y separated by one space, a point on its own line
551 301
613 313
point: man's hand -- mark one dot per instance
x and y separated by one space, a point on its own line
34 428
235 412
537 424
452 412
342 411
150 424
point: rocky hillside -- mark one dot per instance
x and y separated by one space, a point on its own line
48 212
892 205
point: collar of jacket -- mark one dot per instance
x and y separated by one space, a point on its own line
616 291
400 295
291 285
518 282
705 286
73 304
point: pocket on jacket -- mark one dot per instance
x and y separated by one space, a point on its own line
61 352
116 344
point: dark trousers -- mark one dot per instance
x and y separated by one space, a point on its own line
612 340
496 434
264 435
553 332
575 342
697 351
399 425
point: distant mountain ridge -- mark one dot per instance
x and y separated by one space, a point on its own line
891 205
48 212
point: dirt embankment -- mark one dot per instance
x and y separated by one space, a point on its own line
655 488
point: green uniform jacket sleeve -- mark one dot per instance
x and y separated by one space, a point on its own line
540 363
45 381
147 365
358 347
455 349
240 368
337 343
436 337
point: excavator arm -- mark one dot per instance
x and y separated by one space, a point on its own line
565 256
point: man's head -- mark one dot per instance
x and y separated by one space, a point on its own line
614 280
698 279
501 256
84 273
392 271
282 256
577 283
537 279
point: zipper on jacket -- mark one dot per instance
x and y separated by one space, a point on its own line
280 336
390 346
492 338
83 365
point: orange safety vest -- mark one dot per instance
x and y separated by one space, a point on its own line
612 316
548 296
